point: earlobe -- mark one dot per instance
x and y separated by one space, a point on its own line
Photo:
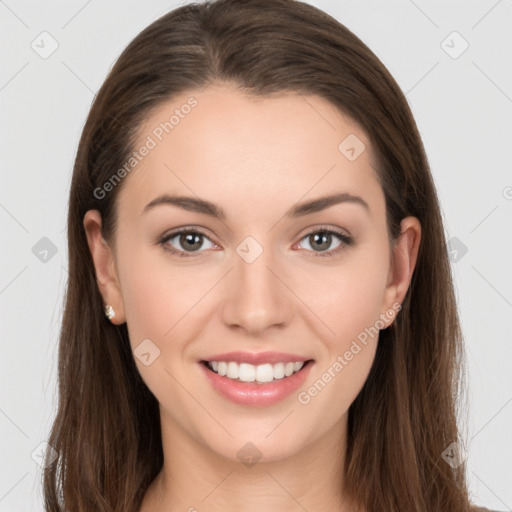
404 258
104 264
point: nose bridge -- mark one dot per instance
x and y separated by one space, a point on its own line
256 299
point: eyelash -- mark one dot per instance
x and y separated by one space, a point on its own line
345 241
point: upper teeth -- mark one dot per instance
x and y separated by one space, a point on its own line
250 373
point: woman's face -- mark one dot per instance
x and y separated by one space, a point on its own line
262 275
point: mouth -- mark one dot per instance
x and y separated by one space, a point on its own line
264 385
265 373
256 379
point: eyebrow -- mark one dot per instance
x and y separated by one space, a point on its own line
299 210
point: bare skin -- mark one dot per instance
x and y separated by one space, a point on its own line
255 159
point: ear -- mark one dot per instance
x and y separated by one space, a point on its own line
104 263
404 256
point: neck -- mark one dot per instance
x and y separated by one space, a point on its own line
194 477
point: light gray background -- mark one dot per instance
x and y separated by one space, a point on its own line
462 106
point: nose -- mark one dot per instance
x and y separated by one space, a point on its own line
257 298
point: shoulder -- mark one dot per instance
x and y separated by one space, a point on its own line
481 509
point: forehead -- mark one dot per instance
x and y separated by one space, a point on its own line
222 144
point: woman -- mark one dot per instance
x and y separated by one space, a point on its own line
260 313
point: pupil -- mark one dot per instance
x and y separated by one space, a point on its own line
326 237
189 238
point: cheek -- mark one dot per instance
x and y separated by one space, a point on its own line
164 307
347 299
351 309
156 294
156 301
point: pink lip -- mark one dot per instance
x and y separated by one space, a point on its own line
258 358
253 394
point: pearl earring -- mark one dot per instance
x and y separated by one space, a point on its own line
109 312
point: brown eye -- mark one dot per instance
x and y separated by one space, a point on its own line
321 241
185 241
190 241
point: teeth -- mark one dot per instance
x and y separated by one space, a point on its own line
249 373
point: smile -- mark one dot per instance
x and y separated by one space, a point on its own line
245 372
256 385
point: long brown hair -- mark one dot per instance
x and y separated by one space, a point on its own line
107 431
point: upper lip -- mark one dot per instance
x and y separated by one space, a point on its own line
258 357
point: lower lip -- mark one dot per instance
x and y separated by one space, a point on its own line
253 394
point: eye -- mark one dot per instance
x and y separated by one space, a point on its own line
191 240
322 238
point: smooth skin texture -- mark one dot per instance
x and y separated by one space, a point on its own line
255 159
